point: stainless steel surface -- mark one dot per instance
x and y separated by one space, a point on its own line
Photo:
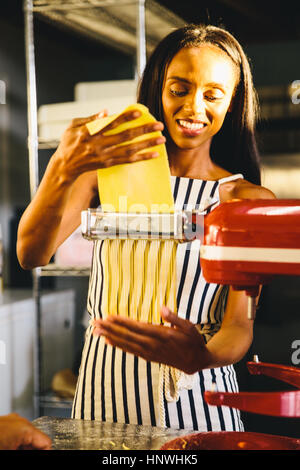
116 23
141 55
251 308
74 434
31 97
96 224
33 173
53 269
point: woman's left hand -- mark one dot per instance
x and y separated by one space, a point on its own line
179 345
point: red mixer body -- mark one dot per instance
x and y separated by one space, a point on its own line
247 242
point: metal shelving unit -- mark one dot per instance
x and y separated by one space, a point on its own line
53 269
77 15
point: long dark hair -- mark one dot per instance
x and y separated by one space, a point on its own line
234 147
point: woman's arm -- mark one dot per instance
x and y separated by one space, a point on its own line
69 184
232 341
52 215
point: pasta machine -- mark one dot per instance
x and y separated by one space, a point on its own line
182 226
244 243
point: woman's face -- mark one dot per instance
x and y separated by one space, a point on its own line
197 93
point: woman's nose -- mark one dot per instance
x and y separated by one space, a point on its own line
197 103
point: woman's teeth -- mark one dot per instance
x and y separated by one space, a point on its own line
191 125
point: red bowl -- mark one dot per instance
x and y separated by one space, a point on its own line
231 440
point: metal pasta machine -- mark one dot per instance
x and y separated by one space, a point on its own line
244 243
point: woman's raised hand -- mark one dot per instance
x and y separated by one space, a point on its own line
79 152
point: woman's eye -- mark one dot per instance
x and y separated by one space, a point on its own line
178 92
213 97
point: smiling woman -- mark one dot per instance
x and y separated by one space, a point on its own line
198 84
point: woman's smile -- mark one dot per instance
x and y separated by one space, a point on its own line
190 127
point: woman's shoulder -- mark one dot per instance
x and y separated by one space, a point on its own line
243 189
246 190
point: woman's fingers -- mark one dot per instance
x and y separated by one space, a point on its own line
130 134
80 152
126 346
78 122
130 153
175 320
139 341
126 325
124 117
147 328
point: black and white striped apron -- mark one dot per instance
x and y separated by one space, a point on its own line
115 386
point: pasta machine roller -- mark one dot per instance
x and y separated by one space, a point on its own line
182 226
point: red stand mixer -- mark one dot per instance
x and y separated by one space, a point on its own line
245 244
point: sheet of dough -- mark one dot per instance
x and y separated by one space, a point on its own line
140 275
135 187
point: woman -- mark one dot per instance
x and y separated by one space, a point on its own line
198 83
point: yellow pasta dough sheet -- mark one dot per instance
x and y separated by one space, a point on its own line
135 187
